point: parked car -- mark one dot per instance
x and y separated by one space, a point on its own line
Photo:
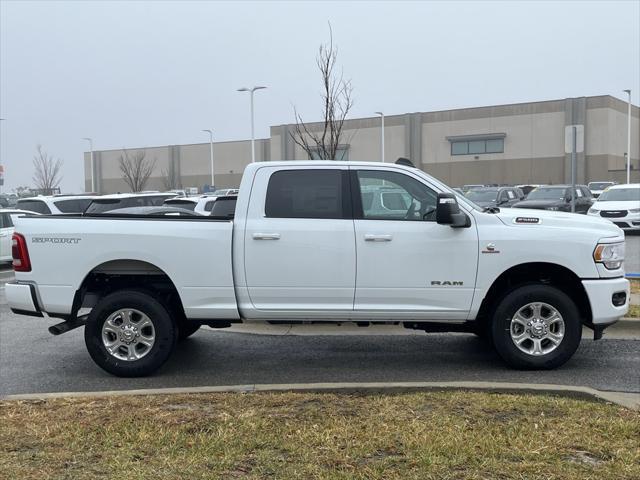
201 205
619 204
55 204
224 207
557 197
226 191
306 248
527 188
7 220
466 188
8 201
148 211
494 196
115 201
597 188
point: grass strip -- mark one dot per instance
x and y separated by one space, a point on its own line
426 435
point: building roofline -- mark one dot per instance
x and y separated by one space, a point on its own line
172 145
478 108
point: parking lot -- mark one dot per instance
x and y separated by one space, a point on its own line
33 361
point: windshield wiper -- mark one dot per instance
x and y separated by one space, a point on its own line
491 210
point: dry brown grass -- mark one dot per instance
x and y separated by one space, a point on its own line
635 285
634 311
447 435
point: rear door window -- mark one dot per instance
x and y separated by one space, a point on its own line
306 194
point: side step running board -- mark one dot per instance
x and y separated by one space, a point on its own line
64 327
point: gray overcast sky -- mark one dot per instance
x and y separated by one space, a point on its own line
157 72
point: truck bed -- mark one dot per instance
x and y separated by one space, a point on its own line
194 252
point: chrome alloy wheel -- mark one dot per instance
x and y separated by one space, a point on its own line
537 329
128 334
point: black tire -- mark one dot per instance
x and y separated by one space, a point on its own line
187 328
519 298
164 331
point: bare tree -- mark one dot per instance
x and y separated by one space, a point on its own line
337 100
136 169
47 171
170 180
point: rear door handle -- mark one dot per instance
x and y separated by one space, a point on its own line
369 237
266 236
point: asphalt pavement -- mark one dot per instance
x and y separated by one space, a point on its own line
33 361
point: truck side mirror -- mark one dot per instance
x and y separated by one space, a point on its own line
448 212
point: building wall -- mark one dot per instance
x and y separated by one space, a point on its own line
190 163
534 146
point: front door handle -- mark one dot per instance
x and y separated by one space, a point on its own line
369 237
266 236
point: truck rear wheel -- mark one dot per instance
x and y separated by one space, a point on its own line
536 327
130 334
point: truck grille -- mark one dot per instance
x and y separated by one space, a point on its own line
613 213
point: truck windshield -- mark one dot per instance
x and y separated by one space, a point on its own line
478 195
547 193
621 195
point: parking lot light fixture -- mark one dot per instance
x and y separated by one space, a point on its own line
381 135
93 186
253 141
211 155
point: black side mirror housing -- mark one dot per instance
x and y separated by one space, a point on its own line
448 212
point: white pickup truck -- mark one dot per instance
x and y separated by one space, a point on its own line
314 242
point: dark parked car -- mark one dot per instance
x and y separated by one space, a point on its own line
494 196
557 197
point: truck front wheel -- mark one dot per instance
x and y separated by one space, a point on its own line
536 327
130 334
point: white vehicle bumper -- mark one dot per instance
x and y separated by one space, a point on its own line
601 297
629 222
22 299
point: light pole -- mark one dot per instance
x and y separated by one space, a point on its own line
93 187
381 135
629 138
1 119
253 141
213 183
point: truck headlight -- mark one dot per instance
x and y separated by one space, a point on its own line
634 210
611 255
593 210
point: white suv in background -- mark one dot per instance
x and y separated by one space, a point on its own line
598 187
56 204
201 205
619 204
7 220
106 203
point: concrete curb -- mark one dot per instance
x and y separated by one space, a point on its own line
628 400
